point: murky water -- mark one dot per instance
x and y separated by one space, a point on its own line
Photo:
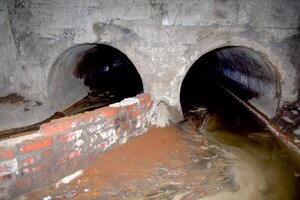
183 163
263 168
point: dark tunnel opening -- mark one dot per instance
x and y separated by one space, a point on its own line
109 75
218 74
90 76
104 68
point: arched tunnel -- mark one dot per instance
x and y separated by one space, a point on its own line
98 73
223 78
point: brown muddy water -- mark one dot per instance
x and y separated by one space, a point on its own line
184 162
262 167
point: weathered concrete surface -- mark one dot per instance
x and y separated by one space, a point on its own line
163 38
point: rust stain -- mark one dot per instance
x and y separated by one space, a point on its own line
134 160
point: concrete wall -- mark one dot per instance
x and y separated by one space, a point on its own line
163 38
64 146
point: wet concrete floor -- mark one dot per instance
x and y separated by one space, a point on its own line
183 163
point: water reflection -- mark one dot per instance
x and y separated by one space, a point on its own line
263 169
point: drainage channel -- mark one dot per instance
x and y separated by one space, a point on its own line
258 160
262 167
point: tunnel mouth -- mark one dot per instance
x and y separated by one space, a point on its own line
90 76
86 77
221 79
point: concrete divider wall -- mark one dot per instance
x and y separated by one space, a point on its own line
68 144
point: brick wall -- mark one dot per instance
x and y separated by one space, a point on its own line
68 144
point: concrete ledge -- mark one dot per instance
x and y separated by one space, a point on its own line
68 144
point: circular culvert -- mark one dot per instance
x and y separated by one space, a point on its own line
100 71
237 70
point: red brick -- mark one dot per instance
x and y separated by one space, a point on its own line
124 125
136 113
108 111
144 98
6 153
34 169
102 145
57 126
68 137
149 105
132 107
36 145
38 168
28 161
26 170
86 115
69 156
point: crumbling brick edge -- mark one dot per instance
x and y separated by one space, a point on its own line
68 144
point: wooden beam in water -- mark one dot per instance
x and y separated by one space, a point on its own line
264 119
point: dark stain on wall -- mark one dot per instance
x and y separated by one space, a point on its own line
288 116
13 98
159 6
120 33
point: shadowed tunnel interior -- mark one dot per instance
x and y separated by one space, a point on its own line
231 70
93 75
104 68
